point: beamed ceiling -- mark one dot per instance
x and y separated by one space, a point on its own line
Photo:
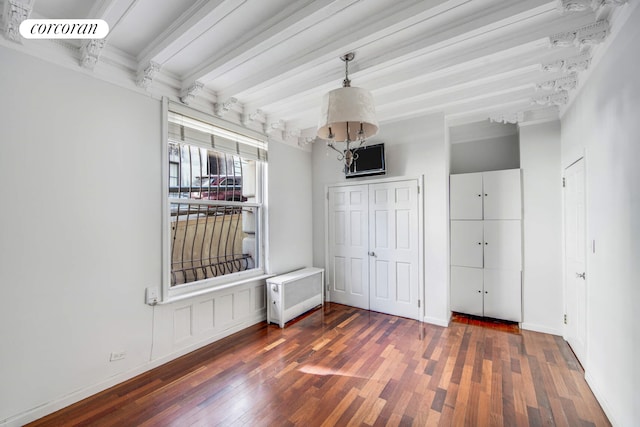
267 63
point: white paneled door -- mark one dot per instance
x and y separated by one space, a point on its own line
348 267
575 245
393 244
373 247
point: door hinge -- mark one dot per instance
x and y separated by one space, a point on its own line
418 189
565 319
564 182
418 303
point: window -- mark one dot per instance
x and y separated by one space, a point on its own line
214 199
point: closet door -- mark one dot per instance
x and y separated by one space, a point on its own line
503 294
502 194
465 196
466 290
348 263
393 248
503 244
467 243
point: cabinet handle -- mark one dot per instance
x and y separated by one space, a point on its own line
486 243
486 292
479 292
479 195
480 243
485 194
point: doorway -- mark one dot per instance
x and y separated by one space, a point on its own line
575 259
374 246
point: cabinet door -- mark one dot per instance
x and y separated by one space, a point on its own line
503 244
502 195
503 294
466 243
465 196
466 290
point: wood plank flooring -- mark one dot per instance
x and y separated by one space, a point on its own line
342 366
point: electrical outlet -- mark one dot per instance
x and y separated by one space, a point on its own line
117 355
152 296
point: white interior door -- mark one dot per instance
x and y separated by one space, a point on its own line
348 266
575 277
393 248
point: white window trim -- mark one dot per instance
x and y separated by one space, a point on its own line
170 293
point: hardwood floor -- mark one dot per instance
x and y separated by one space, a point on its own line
345 366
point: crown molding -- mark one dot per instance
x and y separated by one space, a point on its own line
14 13
145 77
222 108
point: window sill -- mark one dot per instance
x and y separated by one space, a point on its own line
200 292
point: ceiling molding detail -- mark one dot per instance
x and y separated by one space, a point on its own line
592 34
293 133
271 127
599 3
222 108
90 53
507 118
188 94
145 77
14 13
588 35
574 5
563 83
557 98
577 63
256 116
304 141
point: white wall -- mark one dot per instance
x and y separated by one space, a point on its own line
497 153
604 123
81 239
290 218
542 227
413 147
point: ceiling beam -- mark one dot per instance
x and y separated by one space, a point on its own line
284 25
399 15
382 71
194 22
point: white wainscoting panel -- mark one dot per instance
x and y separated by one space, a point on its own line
185 325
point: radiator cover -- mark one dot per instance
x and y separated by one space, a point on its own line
292 294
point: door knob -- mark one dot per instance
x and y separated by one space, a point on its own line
581 275
372 254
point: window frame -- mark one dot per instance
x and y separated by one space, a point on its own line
178 292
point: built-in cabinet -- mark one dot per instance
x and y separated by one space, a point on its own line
486 244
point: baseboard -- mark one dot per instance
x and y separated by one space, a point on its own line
606 407
74 397
436 321
539 328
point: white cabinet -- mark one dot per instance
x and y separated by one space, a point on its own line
467 290
467 243
485 195
466 196
486 244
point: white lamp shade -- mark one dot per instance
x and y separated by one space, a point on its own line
345 108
